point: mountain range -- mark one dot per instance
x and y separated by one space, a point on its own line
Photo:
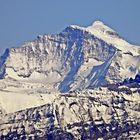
68 84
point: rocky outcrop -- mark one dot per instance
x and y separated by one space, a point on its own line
91 114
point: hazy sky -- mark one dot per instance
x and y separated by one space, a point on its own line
23 20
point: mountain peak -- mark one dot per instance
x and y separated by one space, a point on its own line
98 22
100 27
104 32
97 26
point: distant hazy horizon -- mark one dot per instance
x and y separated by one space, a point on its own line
22 21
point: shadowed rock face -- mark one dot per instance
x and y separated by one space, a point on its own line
3 59
88 114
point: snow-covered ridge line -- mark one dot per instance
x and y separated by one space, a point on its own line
102 31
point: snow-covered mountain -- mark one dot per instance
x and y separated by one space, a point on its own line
46 87
76 58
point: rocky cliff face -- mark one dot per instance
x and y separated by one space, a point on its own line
77 58
91 114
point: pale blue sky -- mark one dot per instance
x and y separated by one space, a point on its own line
23 20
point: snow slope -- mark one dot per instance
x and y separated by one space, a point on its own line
16 101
